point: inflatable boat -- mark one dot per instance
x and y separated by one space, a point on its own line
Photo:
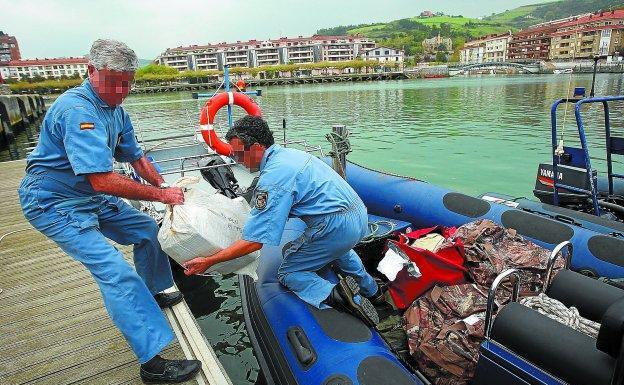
298 344
304 345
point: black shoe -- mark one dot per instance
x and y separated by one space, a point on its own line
174 371
379 298
165 300
342 298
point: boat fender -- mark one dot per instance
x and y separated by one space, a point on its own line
209 111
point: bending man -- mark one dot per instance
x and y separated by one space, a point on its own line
294 183
71 194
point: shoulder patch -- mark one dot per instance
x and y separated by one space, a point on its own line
87 126
260 200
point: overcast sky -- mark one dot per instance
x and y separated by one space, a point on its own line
53 28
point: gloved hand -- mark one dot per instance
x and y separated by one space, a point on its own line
172 196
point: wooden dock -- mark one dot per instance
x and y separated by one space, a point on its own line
54 328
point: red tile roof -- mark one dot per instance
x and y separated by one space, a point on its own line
599 16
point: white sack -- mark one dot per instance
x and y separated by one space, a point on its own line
203 225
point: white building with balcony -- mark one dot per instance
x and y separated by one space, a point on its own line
46 68
254 53
384 54
472 53
496 47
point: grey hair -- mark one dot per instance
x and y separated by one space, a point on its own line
113 55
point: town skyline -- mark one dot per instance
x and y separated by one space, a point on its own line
68 28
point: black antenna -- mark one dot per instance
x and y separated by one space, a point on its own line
284 128
596 58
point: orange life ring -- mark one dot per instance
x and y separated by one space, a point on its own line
208 113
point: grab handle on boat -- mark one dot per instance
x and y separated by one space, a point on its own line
557 251
300 344
491 301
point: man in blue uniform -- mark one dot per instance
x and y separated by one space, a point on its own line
293 183
71 194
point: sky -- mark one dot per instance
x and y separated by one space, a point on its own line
63 28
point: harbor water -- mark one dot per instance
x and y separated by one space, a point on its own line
470 134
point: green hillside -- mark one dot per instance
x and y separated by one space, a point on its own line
533 14
144 62
409 33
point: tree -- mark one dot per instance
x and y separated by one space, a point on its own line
155 69
441 57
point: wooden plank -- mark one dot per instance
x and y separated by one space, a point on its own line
211 367
54 327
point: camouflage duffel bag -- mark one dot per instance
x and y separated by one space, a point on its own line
490 249
444 329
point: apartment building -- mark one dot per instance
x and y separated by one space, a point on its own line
488 49
384 54
204 60
587 36
178 59
533 43
9 49
265 53
46 68
254 53
496 47
473 52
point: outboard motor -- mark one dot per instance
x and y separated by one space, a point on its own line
220 176
568 175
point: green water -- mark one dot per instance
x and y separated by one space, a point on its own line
474 135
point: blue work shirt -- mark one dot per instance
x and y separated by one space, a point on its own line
81 135
293 183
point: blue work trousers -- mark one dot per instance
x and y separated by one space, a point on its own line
80 225
327 238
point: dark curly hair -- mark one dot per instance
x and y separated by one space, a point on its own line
251 129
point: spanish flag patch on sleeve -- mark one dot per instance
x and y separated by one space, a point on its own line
87 126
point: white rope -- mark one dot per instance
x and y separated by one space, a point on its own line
556 310
559 150
374 233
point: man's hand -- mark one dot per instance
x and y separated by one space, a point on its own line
235 250
198 265
172 196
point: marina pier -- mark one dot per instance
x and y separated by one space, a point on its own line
54 326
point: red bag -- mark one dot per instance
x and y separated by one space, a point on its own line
445 267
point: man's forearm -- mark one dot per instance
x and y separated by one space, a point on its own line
115 184
236 250
147 171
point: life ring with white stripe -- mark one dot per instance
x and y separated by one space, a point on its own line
209 111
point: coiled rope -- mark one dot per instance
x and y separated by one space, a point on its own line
340 146
556 310
374 232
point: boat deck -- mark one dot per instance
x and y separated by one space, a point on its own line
53 325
